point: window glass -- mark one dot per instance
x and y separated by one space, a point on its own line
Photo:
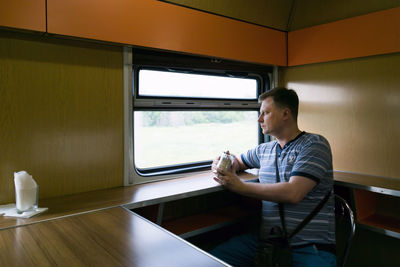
178 84
163 138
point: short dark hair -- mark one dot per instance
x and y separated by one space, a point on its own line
283 98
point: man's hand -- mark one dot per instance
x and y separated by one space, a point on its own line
229 179
214 165
236 165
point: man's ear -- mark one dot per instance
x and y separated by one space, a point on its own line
286 113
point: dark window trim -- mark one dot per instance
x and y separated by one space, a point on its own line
148 59
175 169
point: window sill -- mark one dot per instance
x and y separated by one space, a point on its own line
129 197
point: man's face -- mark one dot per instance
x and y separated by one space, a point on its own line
271 117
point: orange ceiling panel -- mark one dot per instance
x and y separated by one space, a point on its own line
371 34
23 14
155 24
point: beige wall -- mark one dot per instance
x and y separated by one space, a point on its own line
289 15
307 13
356 105
271 13
60 114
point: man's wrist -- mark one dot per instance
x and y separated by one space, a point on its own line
242 188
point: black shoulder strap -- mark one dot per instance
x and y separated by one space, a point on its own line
281 208
278 179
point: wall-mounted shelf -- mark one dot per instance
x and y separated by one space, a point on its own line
376 201
378 212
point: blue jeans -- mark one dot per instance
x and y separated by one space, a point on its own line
240 252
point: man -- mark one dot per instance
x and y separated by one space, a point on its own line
305 168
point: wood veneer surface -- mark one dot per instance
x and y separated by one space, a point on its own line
132 197
274 14
213 217
23 14
113 237
365 203
308 13
366 35
61 114
355 104
368 180
160 25
383 222
150 194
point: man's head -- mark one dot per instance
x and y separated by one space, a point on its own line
279 109
283 98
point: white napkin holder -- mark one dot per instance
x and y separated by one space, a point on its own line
26 192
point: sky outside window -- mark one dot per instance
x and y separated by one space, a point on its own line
174 84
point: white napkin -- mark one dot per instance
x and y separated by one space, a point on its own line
5 208
10 210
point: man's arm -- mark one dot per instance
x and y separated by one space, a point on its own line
292 191
287 192
238 164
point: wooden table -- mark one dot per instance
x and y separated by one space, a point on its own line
97 229
111 237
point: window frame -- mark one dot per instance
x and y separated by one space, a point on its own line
153 60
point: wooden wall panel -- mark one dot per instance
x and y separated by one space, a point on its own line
155 24
61 115
371 34
23 14
356 105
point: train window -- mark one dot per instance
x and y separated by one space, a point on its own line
187 110
164 138
179 84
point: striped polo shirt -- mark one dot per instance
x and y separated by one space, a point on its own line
308 155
